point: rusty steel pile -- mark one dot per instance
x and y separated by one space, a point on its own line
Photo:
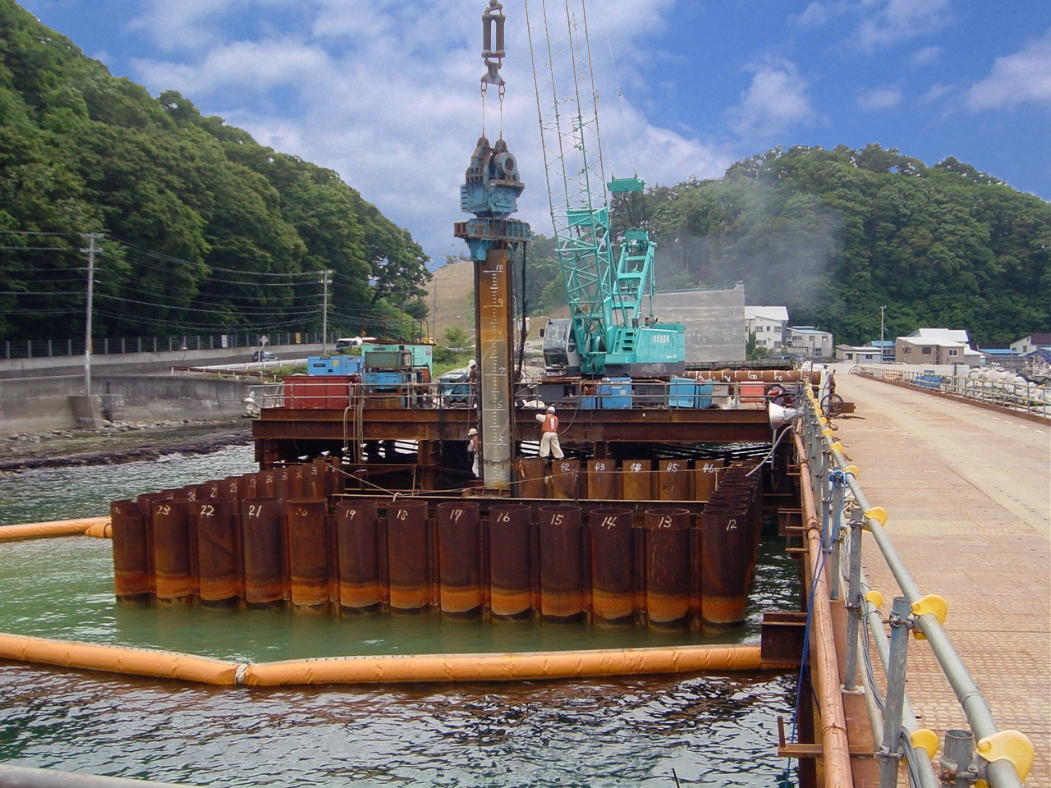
289 537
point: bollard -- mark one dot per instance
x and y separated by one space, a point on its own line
263 548
409 556
172 551
561 564
668 565
459 559
612 566
890 750
357 544
132 577
219 564
511 561
308 553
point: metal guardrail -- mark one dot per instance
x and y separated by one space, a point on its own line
57 348
989 386
1000 757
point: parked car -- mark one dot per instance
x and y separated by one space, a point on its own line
263 355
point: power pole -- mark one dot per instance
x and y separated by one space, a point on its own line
882 351
91 251
324 317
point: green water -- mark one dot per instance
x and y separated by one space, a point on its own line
711 730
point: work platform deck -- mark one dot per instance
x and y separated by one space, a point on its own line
967 496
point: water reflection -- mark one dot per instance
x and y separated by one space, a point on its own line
711 730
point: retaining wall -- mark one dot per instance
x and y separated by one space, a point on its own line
47 403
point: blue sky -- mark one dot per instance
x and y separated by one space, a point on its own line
386 93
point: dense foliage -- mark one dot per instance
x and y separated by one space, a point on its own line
835 235
204 229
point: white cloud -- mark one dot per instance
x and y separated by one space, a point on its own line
885 97
776 100
818 13
1021 78
936 91
894 21
926 56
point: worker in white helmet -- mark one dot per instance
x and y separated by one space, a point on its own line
549 434
474 449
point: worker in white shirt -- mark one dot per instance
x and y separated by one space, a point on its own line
549 434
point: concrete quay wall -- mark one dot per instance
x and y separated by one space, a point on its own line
52 403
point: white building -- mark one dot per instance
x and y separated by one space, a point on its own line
936 346
767 323
809 342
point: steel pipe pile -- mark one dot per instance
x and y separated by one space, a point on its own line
653 565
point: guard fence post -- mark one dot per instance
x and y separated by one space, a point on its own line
890 750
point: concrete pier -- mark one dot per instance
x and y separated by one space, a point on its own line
968 496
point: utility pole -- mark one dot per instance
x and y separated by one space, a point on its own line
325 281
90 251
882 311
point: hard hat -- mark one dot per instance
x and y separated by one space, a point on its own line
471 363
550 408
472 431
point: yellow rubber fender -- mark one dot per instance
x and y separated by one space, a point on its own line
877 513
1011 745
927 740
118 659
502 666
50 529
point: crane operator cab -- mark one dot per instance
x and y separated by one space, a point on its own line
561 357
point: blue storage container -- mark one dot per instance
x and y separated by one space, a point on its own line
682 393
704 394
615 393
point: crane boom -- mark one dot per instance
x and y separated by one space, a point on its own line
604 298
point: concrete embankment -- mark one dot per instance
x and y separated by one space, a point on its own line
36 405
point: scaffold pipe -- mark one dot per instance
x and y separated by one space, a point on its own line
835 746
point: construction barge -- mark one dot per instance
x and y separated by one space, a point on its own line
365 503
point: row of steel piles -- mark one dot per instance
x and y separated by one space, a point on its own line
625 480
665 568
193 542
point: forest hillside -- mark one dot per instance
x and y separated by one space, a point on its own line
205 231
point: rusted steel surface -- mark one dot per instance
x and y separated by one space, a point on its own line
172 550
612 566
561 565
729 542
308 552
565 479
264 551
668 568
132 573
530 473
636 480
219 551
673 480
511 561
602 482
459 559
637 425
705 478
357 537
409 549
